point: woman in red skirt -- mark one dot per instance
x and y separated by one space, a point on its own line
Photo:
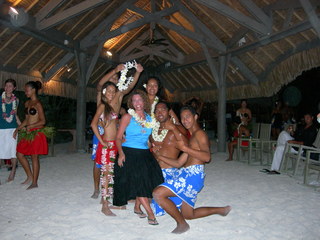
36 142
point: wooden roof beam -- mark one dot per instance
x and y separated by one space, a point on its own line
148 17
69 13
301 47
49 8
53 71
245 70
240 18
219 45
311 13
258 13
300 27
105 25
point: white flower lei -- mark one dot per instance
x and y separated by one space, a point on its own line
159 137
142 122
14 107
124 82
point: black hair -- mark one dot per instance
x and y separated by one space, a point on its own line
244 100
107 107
10 80
189 108
161 94
163 102
37 85
308 113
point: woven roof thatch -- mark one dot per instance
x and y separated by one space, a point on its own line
265 43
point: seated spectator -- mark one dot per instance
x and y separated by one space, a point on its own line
284 137
305 135
242 131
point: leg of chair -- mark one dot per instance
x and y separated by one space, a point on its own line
296 166
306 174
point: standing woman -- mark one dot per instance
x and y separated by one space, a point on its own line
155 92
36 142
137 172
8 123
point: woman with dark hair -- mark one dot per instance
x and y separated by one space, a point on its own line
34 142
112 75
8 123
155 93
244 112
137 172
106 116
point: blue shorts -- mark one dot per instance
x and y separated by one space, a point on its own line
187 183
168 175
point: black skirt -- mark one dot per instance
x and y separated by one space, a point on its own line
138 177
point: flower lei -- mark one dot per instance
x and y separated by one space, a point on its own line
124 82
14 107
159 137
143 122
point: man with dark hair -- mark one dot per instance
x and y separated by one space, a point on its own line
306 134
164 142
190 178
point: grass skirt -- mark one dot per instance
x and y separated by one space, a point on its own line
37 146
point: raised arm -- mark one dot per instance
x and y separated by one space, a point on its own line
135 79
105 79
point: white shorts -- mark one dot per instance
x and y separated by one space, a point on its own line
8 147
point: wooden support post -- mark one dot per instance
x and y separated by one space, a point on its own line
222 102
81 101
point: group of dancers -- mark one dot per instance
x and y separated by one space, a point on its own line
149 156
23 138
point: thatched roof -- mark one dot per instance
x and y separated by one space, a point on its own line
259 45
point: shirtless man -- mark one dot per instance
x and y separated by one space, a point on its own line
164 143
190 180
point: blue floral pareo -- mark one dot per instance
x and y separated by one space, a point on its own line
187 183
168 175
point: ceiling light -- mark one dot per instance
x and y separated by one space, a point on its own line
109 53
13 11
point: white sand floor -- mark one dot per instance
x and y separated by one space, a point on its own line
264 206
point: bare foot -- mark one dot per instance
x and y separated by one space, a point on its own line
27 181
33 185
181 228
95 194
117 207
225 211
106 210
11 177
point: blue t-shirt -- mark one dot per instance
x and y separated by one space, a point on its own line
3 123
136 135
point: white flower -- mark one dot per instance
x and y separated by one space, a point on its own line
142 122
145 85
124 82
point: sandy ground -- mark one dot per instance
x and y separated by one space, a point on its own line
264 206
